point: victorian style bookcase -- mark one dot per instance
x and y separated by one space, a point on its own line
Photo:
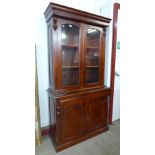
78 98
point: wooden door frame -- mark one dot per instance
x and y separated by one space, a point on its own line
113 58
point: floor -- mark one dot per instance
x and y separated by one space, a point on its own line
107 143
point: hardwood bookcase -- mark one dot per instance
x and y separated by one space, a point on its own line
78 99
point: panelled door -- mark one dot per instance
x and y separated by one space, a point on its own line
97 108
73 118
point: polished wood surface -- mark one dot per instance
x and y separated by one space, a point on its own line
76 45
72 119
97 108
64 12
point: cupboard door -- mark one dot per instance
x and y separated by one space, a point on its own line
70 53
97 111
72 119
93 56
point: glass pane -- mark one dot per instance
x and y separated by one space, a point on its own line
92 55
70 76
70 54
92 75
70 35
93 37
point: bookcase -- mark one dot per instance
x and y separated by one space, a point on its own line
78 98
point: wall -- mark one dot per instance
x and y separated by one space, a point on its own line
107 10
116 107
42 63
41 41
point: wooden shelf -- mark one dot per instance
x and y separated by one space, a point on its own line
92 66
93 47
70 67
69 46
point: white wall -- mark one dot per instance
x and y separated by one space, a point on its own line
116 107
41 41
42 63
107 10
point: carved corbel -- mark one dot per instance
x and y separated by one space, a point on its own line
55 23
104 32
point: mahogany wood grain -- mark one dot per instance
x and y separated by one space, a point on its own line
69 13
97 107
72 119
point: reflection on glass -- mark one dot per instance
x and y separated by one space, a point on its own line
70 54
70 35
92 55
93 37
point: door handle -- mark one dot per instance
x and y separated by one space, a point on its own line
116 74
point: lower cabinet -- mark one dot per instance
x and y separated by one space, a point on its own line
72 119
79 118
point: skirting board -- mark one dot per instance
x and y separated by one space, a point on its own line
46 130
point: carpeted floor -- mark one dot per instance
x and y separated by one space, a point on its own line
107 143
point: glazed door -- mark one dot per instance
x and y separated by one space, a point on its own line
72 119
97 112
69 54
93 56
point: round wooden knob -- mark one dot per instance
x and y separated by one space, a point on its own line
58 113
